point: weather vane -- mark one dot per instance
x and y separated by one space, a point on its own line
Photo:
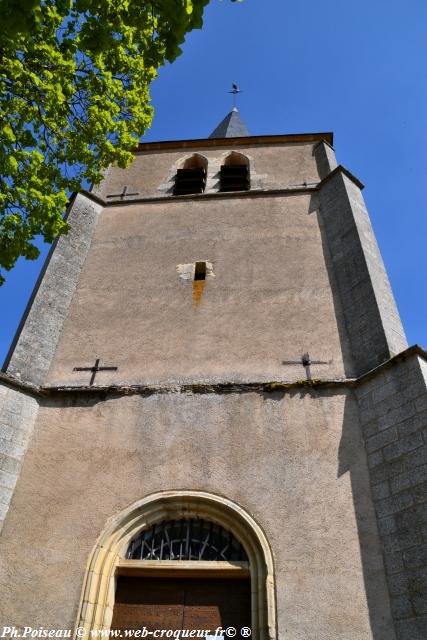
235 90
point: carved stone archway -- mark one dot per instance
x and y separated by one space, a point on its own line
97 600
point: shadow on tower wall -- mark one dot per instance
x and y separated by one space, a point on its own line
352 459
349 366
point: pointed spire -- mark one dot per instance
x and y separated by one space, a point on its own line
231 127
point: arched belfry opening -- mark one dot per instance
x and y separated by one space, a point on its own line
235 174
191 177
187 561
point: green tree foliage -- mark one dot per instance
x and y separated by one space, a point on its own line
74 98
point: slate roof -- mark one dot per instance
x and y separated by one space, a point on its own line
231 127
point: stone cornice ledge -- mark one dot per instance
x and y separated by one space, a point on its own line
206 387
252 193
18 385
244 141
341 170
414 350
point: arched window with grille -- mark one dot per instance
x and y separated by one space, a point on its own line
181 560
192 539
234 174
191 178
189 572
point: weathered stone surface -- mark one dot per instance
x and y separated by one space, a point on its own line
325 158
31 354
17 415
402 467
370 313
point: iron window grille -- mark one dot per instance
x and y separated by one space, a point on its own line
192 539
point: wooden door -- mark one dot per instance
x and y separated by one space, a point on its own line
181 603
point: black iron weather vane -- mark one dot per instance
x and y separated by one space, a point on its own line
235 91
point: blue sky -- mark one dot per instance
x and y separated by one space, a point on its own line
357 69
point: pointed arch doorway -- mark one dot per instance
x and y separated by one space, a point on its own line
183 575
109 567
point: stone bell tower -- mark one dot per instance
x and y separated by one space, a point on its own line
211 417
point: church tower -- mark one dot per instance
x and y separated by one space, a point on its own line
210 417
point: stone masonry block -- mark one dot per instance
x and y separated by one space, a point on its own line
9 464
419 603
7 479
413 518
380 491
5 494
3 510
419 493
365 401
398 583
394 562
417 557
370 429
375 458
399 414
406 480
394 504
412 629
402 446
381 440
10 419
401 607
11 448
412 424
418 457
421 403
400 540
403 398
387 525
386 390
6 432
388 470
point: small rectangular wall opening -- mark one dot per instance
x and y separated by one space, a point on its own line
200 271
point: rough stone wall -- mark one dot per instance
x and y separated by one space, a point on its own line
393 413
17 415
371 317
35 343
294 460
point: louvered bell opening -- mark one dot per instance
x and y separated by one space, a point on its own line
189 181
235 178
